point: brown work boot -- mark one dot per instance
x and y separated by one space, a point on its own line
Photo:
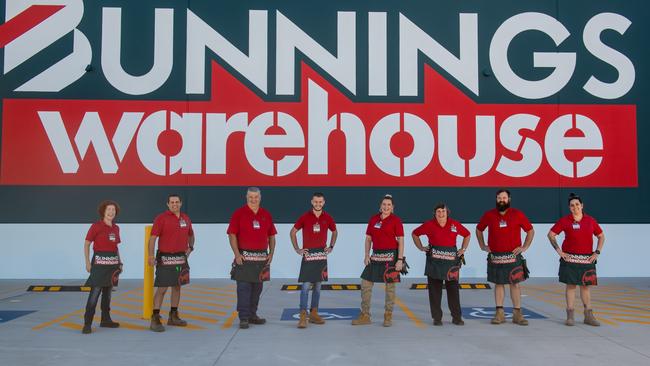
302 323
363 319
175 320
388 319
569 318
499 317
590 319
156 325
518 317
315 318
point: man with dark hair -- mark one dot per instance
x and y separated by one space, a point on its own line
175 235
506 265
313 270
251 233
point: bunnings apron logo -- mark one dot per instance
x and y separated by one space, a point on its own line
361 113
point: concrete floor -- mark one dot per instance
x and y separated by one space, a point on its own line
50 335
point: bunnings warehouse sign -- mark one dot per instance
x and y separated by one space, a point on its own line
339 93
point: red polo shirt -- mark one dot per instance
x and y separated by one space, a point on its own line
442 236
578 235
314 229
504 233
104 238
384 232
173 232
252 229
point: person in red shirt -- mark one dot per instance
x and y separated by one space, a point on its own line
251 233
385 233
443 261
506 265
175 235
577 257
105 266
313 269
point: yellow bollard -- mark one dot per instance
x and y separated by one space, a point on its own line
147 283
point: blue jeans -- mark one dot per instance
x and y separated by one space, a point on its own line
304 295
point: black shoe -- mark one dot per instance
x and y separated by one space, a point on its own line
107 322
437 322
86 329
257 320
458 321
243 324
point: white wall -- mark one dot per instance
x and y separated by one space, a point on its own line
56 251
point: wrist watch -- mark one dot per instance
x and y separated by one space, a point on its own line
597 251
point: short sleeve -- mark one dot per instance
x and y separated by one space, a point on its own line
462 230
233 226
483 223
156 230
557 228
92 233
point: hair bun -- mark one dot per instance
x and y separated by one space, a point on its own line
388 195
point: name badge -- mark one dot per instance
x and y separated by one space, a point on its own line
576 226
256 224
453 229
317 228
378 225
183 223
111 237
503 223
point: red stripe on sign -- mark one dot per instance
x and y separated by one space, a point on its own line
323 139
25 21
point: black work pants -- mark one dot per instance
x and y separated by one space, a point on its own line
435 298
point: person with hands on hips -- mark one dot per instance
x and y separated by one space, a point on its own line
443 261
577 257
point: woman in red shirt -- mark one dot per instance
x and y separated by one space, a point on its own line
385 233
577 257
105 266
443 260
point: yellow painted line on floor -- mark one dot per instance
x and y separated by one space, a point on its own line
228 323
214 293
481 286
56 320
138 299
562 304
55 288
632 321
337 287
205 297
182 308
409 313
38 288
85 288
228 289
617 313
73 326
292 287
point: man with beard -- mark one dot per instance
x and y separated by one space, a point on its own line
506 265
251 233
313 269
175 235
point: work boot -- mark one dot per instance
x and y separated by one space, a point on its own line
175 320
590 319
243 324
314 317
388 319
363 319
86 329
107 322
257 320
518 317
437 322
156 325
499 317
569 318
302 323
458 321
